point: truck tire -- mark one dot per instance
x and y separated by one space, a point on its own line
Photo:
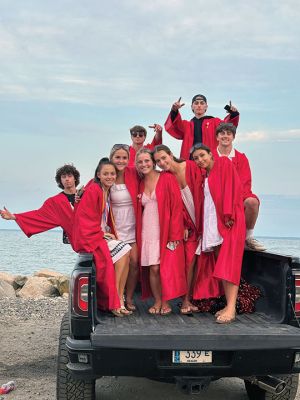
256 393
68 388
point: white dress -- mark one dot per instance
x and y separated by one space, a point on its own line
211 236
188 201
123 213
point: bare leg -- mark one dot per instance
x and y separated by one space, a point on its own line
132 276
251 211
155 284
187 306
124 279
121 270
228 313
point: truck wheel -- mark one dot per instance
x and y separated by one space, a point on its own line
68 388
256 393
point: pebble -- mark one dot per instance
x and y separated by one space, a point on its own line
34 309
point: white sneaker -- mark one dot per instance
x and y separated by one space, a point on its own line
253 244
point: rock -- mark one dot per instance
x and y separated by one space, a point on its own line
61 283
20 281
6 277
15 280
38 287
6 290
47 273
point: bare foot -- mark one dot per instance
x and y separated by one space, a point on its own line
226 317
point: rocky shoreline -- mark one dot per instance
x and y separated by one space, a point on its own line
42 284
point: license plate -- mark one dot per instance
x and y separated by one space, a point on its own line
191 357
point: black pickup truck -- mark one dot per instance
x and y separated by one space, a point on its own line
262 348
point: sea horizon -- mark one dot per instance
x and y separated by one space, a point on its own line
257 236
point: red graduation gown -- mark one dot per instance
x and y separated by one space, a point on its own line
56 211
184 130
88 238
194 181
241 163
149 146
172 264
226 192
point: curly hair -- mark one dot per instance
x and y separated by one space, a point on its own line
67 169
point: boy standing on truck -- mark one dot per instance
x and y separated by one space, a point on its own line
200 129
56 211
225 135
138 136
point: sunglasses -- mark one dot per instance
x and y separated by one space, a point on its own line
196 147
138 134
120 146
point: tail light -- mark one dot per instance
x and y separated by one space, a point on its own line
80 294
297 293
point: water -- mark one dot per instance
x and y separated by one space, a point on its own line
20 255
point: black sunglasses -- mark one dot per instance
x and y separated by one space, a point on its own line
138 134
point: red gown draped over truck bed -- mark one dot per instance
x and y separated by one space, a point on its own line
88 238
226 191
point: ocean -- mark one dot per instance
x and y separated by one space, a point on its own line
20 255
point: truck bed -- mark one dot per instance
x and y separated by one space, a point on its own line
191 332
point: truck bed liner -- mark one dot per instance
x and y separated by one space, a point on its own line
198 331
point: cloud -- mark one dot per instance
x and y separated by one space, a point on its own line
269 136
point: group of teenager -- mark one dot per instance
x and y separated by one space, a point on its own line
180 230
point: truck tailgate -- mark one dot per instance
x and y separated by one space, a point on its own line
198 331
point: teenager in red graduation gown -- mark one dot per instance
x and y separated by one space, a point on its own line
124 206
225 134
160 235
200 129
56 211
189 179
92 213
138 136
224 195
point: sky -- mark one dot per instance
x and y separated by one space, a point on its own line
75 76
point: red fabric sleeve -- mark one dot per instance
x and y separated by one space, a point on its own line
234 121
175 128
41 220
227 177
176 228
87 224
245 175
154 143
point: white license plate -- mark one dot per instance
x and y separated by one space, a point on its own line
191 357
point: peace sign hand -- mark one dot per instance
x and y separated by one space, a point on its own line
177 105
157 128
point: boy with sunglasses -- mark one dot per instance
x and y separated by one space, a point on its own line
138 137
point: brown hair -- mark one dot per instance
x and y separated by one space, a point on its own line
166 149
67 169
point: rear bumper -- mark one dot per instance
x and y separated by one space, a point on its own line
157 363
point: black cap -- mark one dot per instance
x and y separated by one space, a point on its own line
199 97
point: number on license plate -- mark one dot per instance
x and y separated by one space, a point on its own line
191 357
